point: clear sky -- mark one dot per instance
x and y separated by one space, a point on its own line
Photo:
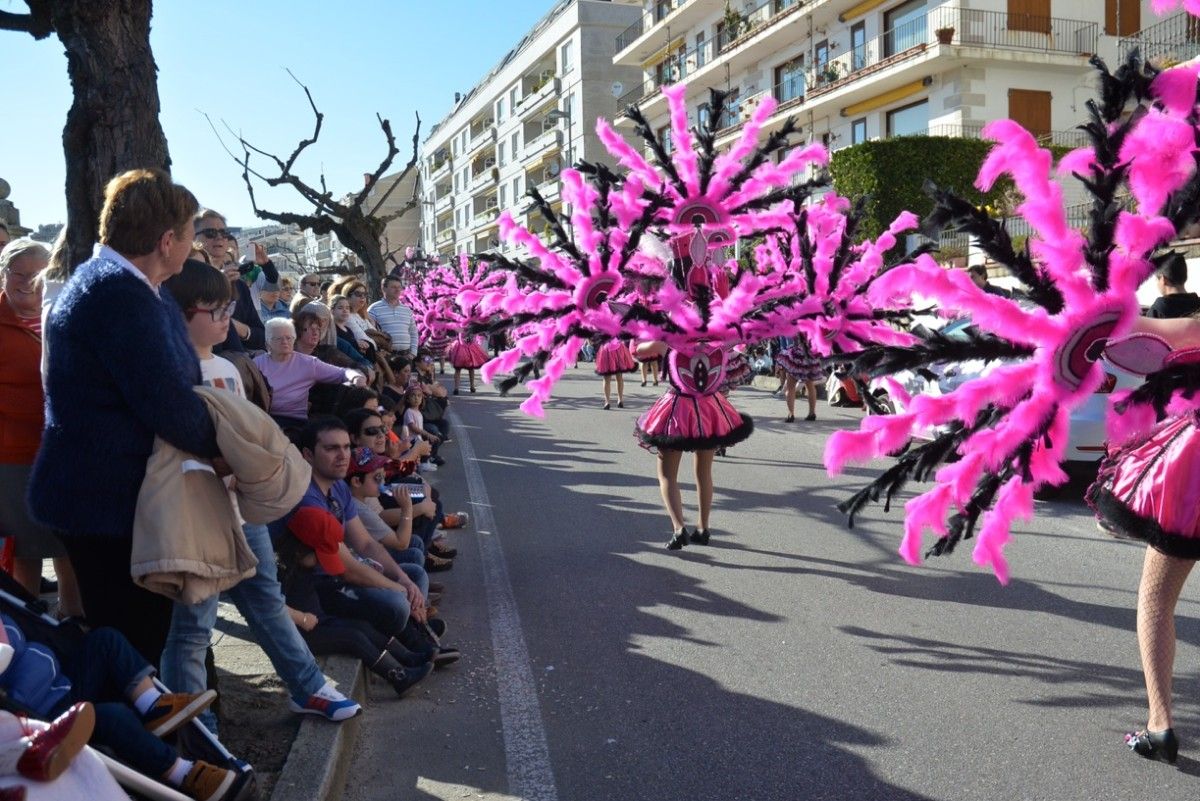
229 59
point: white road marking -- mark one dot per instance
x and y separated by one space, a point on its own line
526 753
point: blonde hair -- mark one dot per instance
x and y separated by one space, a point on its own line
139 207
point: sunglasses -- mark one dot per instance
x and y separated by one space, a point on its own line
374 431
358 294
218 315
215 233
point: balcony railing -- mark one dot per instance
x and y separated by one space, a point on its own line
1070 139
1174 39
630 35
682 64
992 30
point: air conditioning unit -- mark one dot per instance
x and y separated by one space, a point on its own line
489 162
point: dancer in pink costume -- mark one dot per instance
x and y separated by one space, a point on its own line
449 318
613 360
646 260
1008 429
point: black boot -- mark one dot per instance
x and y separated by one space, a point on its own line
403 679
406 657
700 537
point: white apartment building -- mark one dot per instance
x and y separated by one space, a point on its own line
532 115
285 245
853 70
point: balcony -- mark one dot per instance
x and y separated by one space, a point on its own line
538 93
481 141
550 140
762 24
637 43
445 236
443 203
483 180
440 167
550 190
1174 39
485 219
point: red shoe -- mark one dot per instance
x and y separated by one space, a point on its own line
51 750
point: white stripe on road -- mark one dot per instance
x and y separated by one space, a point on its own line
526 753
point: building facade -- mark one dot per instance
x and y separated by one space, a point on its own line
531 116
853 70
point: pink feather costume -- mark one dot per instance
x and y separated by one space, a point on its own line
1008 428
613 357
449 320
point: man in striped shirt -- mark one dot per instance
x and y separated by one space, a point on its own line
394 318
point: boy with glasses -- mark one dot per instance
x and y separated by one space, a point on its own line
204 295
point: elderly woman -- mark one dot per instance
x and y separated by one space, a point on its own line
292 374
21 419
121 372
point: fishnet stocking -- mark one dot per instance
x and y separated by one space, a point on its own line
1163 578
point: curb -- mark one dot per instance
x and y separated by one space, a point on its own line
319 758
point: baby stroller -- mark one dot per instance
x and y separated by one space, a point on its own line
193 741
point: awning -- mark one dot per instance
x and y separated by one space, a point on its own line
899 93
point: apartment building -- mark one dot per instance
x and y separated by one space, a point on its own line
853 70
532 115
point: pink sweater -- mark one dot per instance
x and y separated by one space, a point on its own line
292 379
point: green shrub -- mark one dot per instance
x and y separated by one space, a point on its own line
891 173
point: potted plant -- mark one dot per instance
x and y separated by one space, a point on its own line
735 22
944 35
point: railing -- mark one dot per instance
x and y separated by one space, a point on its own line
1174 39
1077 217
953 26
754 19
790 88
1057 138
629 35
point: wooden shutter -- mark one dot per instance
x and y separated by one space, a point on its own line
1131 17
1029 15
1030 108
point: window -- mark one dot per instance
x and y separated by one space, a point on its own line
455 182
858 46
664 136
789 80
904 26
516 147
454 144
702 115
516 188
500 160
858 131
512 98
500 110
503 196
908 120
1034 15
565 58
701 56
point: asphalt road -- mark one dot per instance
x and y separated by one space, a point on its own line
790 659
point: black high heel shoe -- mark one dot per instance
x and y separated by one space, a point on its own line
678 539
1161 746
700 536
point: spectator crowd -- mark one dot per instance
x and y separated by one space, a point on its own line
177 427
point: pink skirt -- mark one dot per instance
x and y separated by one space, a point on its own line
437 345
679 422
613 358
638 359
465 355
737 372
1149 490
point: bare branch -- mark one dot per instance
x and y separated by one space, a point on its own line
37 23
391 154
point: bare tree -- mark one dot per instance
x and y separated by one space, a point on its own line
112 125
356 225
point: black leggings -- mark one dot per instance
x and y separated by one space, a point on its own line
354 638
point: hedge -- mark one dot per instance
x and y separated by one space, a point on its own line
891 173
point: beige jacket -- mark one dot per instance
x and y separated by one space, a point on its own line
187 543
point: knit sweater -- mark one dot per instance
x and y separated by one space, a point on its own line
121 372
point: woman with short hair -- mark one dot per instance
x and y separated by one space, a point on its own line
292 374
121 372
21 419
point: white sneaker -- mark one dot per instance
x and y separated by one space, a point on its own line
328 703
427 467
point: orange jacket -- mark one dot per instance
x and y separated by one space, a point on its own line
21 413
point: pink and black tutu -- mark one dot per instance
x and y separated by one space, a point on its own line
693 415
641 359
737 372
799 362
465 354
436 345
613 357
1149 489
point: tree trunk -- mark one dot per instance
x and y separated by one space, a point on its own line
358 234
113 123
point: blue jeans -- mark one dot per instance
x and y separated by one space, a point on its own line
386 610
104 670
416 573
260 600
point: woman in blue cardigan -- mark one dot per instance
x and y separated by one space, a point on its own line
121 372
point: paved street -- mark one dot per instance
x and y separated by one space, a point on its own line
791 659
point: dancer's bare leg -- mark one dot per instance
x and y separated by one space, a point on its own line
668 485
471 378
704 484
1163 578
645 372
457 373
810 389
789 395
620 389
607 390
